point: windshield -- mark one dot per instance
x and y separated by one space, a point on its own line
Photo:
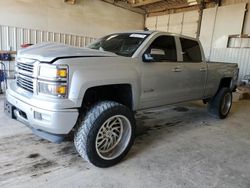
124 44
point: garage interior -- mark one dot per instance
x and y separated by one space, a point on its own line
176 146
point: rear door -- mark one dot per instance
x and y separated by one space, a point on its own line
193 69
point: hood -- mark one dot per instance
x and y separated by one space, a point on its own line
49 52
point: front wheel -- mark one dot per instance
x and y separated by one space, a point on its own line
221 103
106 134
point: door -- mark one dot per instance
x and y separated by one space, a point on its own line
193 70
161 82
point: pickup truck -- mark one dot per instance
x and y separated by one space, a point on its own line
94 92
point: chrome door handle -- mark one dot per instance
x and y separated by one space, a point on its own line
203 69
177 69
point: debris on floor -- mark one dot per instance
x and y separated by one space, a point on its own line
242 92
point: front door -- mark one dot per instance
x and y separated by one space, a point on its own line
161 80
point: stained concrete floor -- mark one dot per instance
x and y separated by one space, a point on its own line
176 146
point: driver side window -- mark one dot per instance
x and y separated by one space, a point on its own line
162 49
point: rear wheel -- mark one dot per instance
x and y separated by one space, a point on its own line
221 103
106 134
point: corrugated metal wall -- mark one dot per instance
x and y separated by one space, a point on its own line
233 55
11 38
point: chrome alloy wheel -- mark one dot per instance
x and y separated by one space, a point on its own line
113 137
226 103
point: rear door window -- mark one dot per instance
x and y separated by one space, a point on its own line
191 50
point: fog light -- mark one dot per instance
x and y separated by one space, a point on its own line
40 116
37 115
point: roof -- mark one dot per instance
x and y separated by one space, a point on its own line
149 32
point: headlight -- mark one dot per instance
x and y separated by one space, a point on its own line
53 72
53 89
53 80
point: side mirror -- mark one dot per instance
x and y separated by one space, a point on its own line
147 58
154 52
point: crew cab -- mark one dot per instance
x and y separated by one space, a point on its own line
93 92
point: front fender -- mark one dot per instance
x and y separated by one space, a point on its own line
99 72
82 82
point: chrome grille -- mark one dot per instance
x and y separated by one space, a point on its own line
25 83
25 67
24 76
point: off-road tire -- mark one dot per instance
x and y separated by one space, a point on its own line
215 104
86 134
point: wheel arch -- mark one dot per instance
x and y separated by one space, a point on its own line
225 82
122 93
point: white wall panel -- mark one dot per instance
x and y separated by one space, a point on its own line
246 27
229 21
190 23
190 29
185 23
207 29
162 23
175 23
151 22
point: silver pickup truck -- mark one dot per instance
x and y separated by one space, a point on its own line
94 91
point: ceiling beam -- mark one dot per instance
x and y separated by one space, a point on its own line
124 5
72 2
172 9
145 2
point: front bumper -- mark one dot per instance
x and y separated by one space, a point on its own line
43 122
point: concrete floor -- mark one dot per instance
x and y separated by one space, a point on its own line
176 146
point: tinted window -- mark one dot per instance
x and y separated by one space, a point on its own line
124 44
191 50
162 49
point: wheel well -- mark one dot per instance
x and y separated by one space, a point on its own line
225 82
121 93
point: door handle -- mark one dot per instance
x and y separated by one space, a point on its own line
203 69
177 69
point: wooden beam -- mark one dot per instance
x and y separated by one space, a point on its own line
161 11
166 8
7 52
145 2
72 2
124 5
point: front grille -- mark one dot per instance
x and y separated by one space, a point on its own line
25 67
25 71
25 83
